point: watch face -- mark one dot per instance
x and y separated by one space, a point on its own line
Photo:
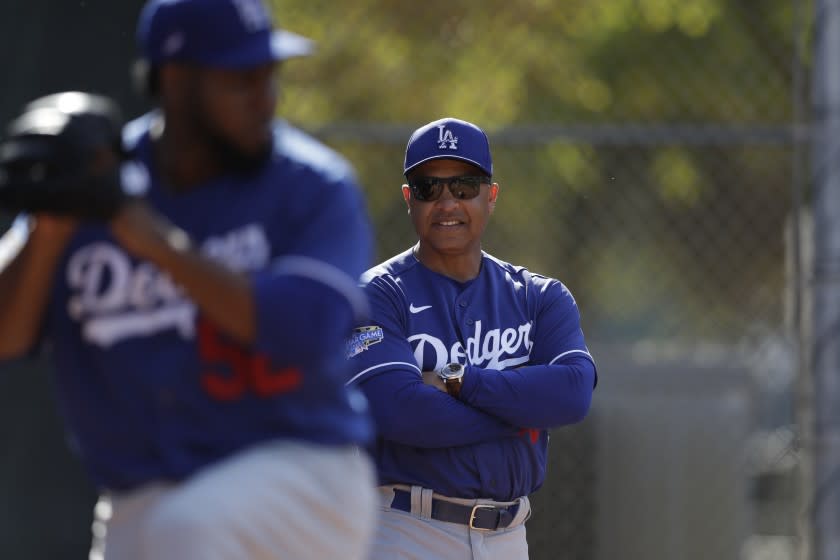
451 371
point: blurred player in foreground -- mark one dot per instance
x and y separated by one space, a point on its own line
467 362
198 331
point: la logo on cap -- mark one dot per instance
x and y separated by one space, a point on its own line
445 137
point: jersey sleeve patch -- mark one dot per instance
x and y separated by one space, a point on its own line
363 338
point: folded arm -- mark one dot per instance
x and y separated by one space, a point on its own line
409 412
538 396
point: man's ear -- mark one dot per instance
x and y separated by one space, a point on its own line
144 78
494 194
407 196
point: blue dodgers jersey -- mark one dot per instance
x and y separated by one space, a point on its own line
152 390
505 318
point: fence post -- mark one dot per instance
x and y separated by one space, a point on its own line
825 342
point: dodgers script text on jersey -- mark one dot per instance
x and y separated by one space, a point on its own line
505 318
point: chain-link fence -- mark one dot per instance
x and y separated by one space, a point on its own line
675 252
649 156
658 187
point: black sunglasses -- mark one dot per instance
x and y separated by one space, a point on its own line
462 187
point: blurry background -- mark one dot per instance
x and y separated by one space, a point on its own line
652 154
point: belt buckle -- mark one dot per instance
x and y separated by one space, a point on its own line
472 516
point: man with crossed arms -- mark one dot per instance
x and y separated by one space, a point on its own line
467 362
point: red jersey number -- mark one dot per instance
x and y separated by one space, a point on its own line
232 371
532 433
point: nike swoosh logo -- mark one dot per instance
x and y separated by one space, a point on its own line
418 309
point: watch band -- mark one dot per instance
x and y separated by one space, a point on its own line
452 375
453 386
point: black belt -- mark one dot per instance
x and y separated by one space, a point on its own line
480 516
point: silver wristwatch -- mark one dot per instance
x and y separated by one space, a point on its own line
452 376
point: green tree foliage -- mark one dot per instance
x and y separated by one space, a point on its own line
517 61
658 234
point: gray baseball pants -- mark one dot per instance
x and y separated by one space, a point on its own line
277 501
402 535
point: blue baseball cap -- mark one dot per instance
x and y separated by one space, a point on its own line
215 33
449 139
